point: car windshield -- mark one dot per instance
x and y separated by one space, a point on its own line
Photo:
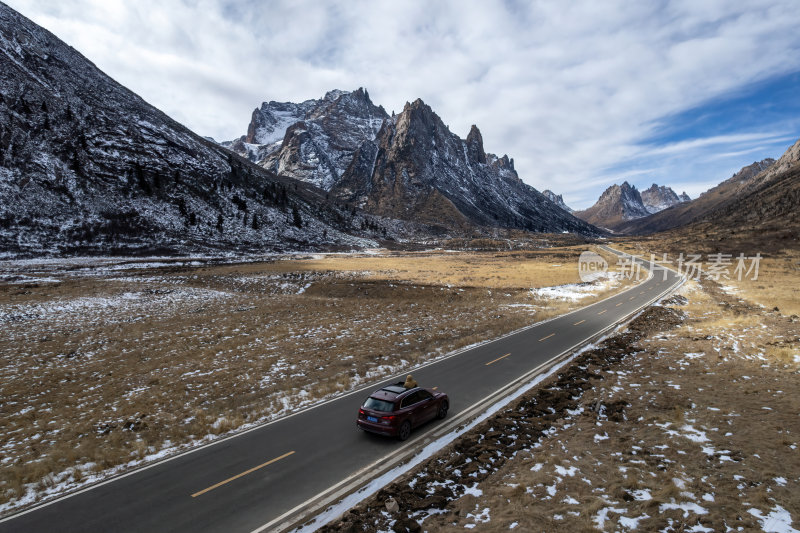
378 405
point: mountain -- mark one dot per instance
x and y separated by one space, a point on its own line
763 216
657 198
617 205
417 169
408 167
558 200
313 141
738 185
87 166
683 197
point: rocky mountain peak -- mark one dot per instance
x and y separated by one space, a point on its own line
313 141
347 105
617 192
557 199
475 151
417 169
657 198
617 204
684 197
409 166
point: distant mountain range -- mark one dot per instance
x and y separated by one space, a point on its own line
761 198
620 204
408 167
739 185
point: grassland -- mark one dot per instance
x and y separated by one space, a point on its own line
101 370
776 281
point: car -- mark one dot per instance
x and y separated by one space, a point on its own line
395 410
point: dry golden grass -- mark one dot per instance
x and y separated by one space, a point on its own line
501 270
778 283
778 279
101 370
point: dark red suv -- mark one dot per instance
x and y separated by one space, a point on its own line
395 410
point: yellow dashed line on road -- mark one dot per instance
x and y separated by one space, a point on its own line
237 476
603 311
496 360
545 338
581 322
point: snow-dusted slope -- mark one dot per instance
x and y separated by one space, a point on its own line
87 166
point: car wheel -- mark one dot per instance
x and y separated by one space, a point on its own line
443 410
405 430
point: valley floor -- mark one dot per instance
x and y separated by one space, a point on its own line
685 420
107 364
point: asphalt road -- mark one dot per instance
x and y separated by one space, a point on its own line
243 483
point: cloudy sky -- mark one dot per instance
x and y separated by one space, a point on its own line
580 94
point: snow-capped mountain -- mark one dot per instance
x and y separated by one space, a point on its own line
657 198
558 200
87 166
408 167
313 141
617 204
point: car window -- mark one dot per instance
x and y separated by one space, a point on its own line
424 395
411 399
378 405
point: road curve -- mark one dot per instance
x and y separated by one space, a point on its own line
246 482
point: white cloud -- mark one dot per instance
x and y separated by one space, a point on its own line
567 89
694 144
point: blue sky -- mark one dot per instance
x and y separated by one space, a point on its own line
581 94
718 137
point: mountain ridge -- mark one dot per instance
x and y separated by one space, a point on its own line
409 166
747 179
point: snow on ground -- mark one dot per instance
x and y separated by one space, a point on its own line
777 521
578 291
65 309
